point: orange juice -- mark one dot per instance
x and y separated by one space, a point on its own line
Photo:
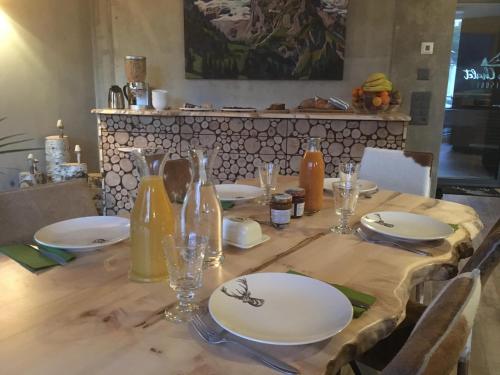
312 173
151 220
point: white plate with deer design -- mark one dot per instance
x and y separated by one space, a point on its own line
280 308
406 225
84 233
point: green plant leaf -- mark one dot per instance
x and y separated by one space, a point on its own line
21 150
15 142
10 136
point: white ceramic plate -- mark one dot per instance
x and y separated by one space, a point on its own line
84 233
263 239
365 186
237 192
294 309
406 225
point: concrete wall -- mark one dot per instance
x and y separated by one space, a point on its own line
46 74
155 28
416 22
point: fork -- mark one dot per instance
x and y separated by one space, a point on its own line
217 335
365 237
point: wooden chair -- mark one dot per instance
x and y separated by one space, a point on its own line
485 259
435 344
404 171
25 211
176 176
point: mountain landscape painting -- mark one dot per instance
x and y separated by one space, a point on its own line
265 39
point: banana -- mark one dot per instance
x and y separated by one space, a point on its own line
376 77
387 86
375 83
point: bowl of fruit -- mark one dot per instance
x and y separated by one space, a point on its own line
376 95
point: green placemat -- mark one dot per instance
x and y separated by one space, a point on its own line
31 259
226 205
354 296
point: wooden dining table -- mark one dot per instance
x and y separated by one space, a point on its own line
88 318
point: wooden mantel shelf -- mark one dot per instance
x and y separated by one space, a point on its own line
390 116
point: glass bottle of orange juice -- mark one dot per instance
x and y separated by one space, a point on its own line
311 176
151 220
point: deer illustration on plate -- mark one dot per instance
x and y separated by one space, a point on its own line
243 295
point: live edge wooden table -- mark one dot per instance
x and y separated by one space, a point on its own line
87 318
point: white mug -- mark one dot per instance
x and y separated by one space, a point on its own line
160 99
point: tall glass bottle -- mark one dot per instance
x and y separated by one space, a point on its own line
202 211
151 220
311 176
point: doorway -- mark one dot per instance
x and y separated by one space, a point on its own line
470 150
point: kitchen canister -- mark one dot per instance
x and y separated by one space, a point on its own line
56 153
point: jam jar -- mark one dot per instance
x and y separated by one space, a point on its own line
281 210
298 201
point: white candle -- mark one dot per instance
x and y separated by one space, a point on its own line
78 151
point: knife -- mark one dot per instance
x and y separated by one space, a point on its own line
56 258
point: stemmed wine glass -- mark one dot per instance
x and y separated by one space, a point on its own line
268 176
184 254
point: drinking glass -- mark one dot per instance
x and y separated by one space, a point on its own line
184 254
348 172
345 196
268 176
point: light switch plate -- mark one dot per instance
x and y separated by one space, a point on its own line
427 48
423 74
420 105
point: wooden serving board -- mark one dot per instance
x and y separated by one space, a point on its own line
320 110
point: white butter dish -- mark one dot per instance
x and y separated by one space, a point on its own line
242 232
264 238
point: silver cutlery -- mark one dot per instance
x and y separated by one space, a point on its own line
217 335
365 237
56 258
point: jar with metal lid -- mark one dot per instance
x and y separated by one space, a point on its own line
281 210
298 201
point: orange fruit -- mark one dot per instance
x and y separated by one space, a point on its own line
355 92
386 99
377 101
360 92
384 94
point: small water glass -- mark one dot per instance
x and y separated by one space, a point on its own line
184 256
348 172
345 197
268 177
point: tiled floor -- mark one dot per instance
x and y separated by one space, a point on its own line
460 165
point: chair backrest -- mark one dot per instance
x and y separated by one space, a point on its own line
23 212
487 255
404 171
176 176
440 335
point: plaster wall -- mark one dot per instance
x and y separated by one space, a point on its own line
46 74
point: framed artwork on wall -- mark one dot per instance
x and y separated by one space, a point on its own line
265 39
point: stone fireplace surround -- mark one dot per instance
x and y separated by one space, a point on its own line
245 140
